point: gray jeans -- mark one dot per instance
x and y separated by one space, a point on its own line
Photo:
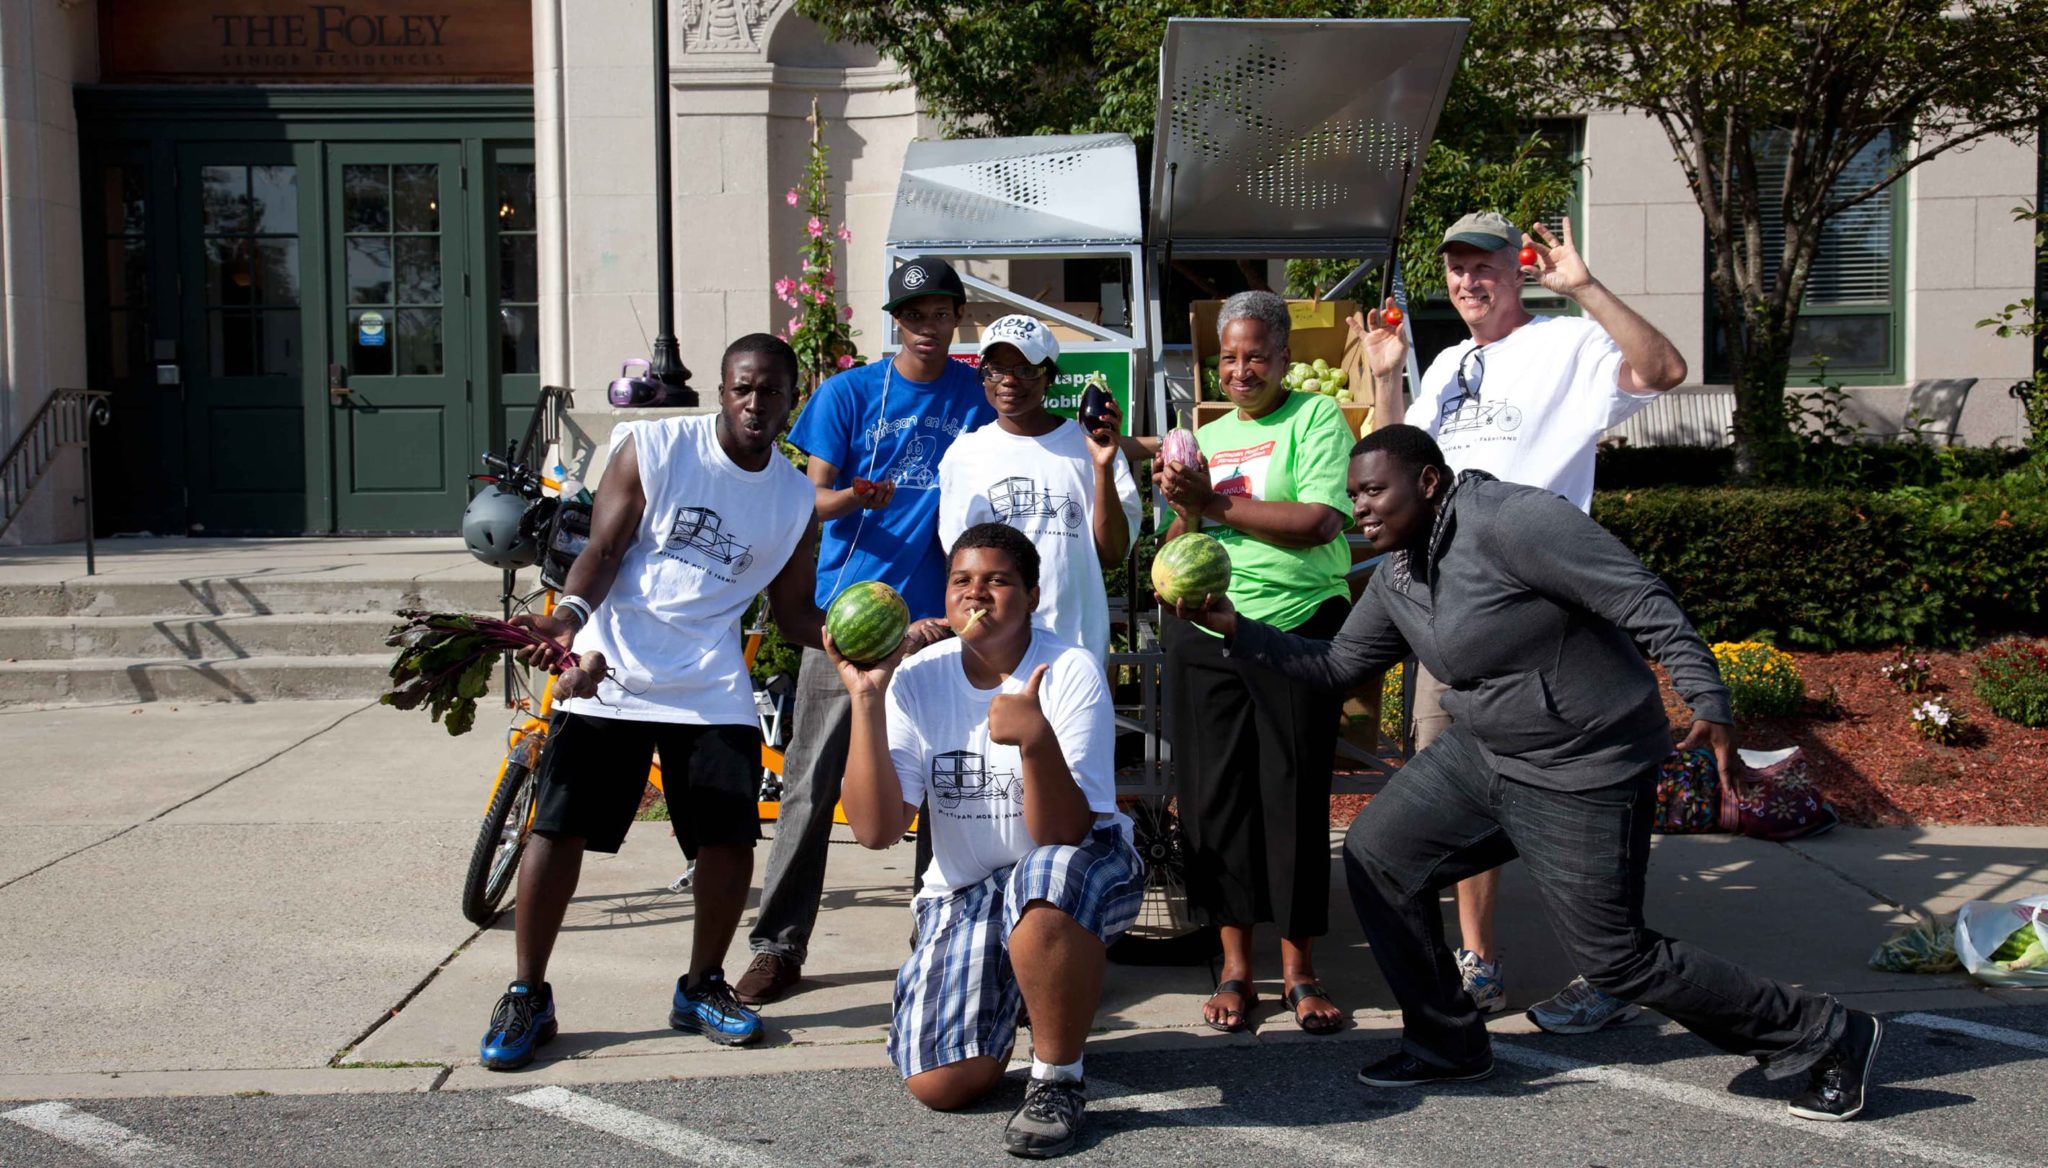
811 773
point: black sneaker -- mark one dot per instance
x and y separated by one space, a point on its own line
1049 1120
1402 1069
1834 1089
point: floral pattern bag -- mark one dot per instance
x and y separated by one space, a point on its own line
1688 793
1775 800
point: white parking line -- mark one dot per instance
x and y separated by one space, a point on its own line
645 1130
2000 1034
1206 1109
111 1141
1756 1111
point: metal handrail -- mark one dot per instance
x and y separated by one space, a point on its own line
65 420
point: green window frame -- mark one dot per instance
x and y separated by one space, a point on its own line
1854 308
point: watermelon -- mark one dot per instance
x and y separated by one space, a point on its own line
1189 568
1179 446
867 621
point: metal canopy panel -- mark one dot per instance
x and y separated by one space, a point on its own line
1290 137
1052 189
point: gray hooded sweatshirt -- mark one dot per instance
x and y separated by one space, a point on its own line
1532 614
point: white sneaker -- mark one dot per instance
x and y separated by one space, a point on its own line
1483 981
1578 1008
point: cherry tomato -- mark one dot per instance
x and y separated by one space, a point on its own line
1392 316
1528 257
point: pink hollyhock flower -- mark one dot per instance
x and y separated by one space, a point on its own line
828 280
847 312
845 360
818 295
814 227
844 234
795 323
783 286
790 198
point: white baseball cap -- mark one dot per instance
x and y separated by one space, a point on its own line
1028 333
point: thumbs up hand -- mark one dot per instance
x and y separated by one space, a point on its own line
1017 719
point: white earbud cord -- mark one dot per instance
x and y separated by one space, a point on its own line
881 429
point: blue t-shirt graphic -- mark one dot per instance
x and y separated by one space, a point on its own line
875 423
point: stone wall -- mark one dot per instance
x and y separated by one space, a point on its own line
45 47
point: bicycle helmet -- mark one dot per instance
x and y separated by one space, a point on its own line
494 530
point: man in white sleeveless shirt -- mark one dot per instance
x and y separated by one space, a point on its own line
697 515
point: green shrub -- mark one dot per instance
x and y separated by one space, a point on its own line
2012 678
1762 681
1915 565
1867 466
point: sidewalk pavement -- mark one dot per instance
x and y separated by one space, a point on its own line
220 898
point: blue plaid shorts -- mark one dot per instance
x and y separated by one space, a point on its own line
957 997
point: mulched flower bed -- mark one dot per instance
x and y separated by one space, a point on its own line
1872 764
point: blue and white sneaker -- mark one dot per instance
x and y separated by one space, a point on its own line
524 1019
709 1009
1483 981
1578 1008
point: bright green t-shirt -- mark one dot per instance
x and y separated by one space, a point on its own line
1296 454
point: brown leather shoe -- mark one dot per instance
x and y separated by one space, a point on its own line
768 977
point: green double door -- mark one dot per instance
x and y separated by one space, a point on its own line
327 363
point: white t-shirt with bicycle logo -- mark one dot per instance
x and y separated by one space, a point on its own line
711 539
1045 488
939 745
1531 406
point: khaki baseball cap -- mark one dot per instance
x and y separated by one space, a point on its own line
1484 230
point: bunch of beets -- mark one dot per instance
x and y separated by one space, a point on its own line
445 659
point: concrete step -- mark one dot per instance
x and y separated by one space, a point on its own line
86 680
202 596
193 638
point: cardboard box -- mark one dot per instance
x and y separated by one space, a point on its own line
1357 417
977 315
1319 331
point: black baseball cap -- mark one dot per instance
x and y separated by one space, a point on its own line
923 276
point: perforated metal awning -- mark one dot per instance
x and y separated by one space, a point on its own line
1054 190
1281 138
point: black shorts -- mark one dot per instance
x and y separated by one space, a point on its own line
594 770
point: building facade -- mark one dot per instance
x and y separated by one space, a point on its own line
323 254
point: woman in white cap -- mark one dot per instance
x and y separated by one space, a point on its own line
1070 491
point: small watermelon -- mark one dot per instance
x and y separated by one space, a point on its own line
1191 567
1179 446
867 621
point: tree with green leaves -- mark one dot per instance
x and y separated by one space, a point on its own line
1790 112
1014 67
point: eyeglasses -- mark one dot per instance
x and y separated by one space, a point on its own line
995 373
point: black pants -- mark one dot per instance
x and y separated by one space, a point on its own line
1449 816
1252 753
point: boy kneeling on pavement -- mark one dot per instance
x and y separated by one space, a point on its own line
1009 733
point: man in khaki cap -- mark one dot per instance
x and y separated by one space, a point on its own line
1526 399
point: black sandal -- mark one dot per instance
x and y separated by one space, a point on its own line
1302 992
1233 1020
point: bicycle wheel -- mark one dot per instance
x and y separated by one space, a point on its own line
1163 933
502 837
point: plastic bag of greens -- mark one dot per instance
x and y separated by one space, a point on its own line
2005 944
1928 945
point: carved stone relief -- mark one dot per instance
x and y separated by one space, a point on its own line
726 26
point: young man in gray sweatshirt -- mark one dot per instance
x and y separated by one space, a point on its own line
1532 614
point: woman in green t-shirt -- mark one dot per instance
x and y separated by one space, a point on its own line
1252 749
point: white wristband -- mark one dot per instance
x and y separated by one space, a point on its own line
576 605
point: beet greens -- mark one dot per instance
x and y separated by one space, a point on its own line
445 660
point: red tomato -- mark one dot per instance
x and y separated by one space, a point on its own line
863 487
1392 316
1528 257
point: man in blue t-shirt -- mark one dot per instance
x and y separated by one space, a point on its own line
874 436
